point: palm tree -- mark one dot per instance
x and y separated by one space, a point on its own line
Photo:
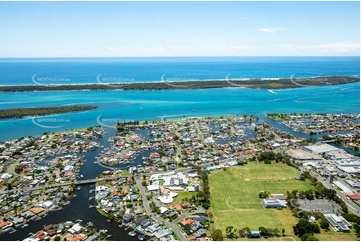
247 232
241 232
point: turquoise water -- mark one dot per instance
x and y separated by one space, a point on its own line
172 104
175 104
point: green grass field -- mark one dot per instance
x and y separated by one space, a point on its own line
235 201
181 195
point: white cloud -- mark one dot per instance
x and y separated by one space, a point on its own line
270 30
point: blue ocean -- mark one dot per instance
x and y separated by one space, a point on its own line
123 105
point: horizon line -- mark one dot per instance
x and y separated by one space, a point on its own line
53 57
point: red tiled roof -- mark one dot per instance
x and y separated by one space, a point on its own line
187 221
354 196
77 237
36 210
4 223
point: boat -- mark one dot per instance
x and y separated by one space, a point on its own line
15 122
81 176
108 220
78 220
132 233
141 237
12 231
78 188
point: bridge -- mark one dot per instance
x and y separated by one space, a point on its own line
95 180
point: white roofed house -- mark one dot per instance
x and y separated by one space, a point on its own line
6 176
68 168
47 204
76 229
153 188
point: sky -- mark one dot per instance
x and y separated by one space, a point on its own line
126 29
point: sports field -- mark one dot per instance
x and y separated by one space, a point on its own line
235 201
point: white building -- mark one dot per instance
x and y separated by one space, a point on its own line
175 180
274 203
338 222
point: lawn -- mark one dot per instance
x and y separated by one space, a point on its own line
181 195
235 201
333 235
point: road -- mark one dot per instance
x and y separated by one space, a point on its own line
149 211
199 133
351 206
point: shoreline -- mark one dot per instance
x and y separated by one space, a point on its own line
256 83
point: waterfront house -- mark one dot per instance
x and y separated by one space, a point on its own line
36 210
145 223
27 214
140 219
40 235
161 233
5 224
75 229
77 237
127 217
153 228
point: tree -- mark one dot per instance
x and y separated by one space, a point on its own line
357 228
276 232
187 228
206 205
247 232
315 228
303 227
217 235
283 231
57 238
262 231
308 237
229 231
324 224
241 232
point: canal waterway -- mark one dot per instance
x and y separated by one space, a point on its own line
79 205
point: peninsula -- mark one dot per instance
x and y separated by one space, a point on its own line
22 112
169 85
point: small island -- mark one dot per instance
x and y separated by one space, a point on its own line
22 112
168 85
